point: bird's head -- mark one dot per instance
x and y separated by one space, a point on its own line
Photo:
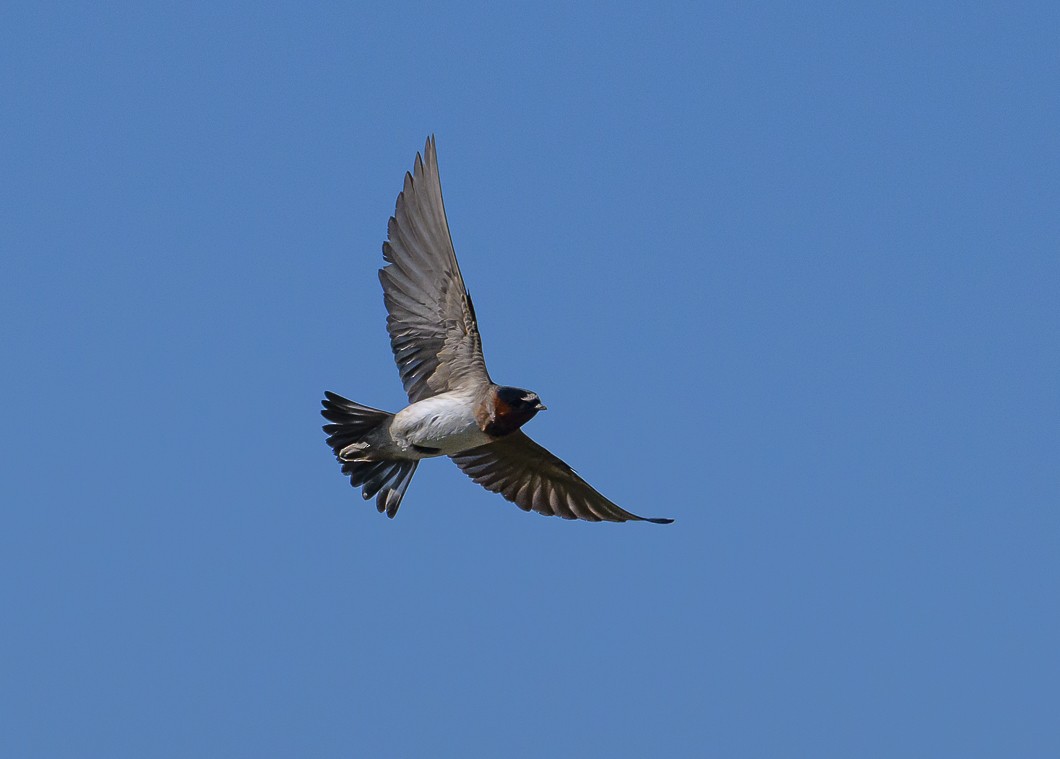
521 402
506 409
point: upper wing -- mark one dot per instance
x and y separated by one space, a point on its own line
431 319
532 478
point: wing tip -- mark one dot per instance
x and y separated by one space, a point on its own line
430 156
428 159
657 520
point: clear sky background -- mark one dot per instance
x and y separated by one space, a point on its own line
788 273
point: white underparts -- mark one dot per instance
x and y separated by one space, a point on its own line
445 422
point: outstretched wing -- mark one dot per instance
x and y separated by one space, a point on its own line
533 479
431 319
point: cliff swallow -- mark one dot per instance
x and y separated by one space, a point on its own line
455 409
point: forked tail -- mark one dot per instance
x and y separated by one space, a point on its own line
351 424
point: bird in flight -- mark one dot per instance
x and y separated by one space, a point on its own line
455 409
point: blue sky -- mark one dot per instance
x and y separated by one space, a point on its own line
786 273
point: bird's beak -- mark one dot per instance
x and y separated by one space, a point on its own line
542 407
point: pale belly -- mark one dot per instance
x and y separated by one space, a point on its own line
445 422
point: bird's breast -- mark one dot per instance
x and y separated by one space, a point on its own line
445 423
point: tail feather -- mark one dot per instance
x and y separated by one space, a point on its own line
389 499
378 479
351 423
